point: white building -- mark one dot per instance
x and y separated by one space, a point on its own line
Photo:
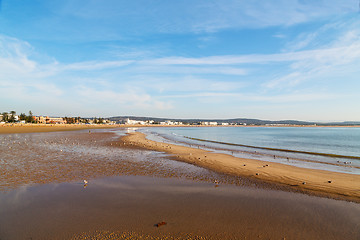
135 122
209 123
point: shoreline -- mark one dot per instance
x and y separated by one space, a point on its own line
277 149
342 184
325 182
9 128
281 150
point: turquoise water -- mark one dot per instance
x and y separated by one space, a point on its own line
306 146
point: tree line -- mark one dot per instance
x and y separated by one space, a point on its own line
11 117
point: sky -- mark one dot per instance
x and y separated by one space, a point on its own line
274 59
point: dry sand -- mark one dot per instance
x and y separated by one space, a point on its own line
341 184
29 128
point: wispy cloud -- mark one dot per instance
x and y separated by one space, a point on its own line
23 78
20 76
95 65
245 97
246 59
302 65
300 73
239 14
337 57
176 84
116 19
129 97
156 66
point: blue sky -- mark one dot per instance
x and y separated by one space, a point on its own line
275 59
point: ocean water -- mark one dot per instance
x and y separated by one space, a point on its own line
330 148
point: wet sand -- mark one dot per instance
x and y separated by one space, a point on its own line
130 207
42 195
38 158
347 185
56 157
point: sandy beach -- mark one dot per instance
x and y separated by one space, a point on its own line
338 184
29 128
135 184
72 156
341 184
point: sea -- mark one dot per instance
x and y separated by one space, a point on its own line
327 148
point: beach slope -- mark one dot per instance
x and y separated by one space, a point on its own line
332 183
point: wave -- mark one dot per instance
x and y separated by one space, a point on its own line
277 149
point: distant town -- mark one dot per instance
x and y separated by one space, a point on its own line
13 118
172 123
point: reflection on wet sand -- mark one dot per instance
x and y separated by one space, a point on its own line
34 158
74 156
133 205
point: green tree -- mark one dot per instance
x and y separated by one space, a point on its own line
70 120
5 116
12 116
22 116
30 118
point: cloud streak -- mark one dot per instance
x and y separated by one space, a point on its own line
308 69
119 20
